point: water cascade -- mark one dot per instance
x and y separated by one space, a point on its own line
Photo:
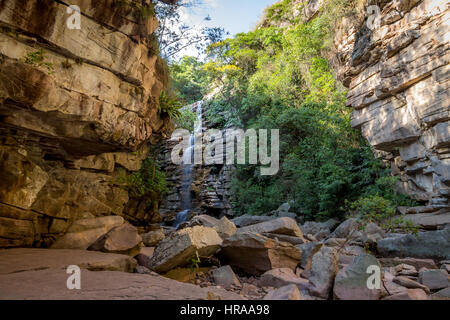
188 166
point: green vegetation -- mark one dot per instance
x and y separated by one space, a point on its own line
38 58
149 183
189 79
169 104
279 78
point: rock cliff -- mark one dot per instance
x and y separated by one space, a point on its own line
75 105
394 59
397 73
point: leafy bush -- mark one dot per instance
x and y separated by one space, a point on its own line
382 212
170 105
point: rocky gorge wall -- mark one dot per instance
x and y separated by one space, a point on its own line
211 184
398 76
76 105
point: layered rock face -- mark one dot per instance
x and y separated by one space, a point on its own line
398 77
211 184
75 106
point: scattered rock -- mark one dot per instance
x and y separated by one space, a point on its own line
417 263
224 276
248 220
372 233
256 254
152 238
225 228
202 220
177 249
434 279
123 240
283 226
289 292
409 283
405 270
84 232
346 228
284 238
443 294
351 283
430 244
281 277
308 250
409 294
324 267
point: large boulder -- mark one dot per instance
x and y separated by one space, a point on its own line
248 220
256 254
224 276
289 292
351 283
281 277
225 228
20 260
84 232
123 240
434 279
324 266
430 244
308 250
284 226
152 238
179 247
347 228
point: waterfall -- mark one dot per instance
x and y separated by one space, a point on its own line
188 166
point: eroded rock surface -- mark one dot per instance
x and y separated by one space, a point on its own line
398 80
75 106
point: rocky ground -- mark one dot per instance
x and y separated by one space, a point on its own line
266 257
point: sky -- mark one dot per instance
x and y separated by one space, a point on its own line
233 15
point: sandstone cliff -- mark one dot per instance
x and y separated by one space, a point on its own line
398 79
75 105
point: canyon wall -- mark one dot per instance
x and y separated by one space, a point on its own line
210 190
76 105
398 76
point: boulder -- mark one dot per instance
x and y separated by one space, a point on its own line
417 263
284 226
248 220
84 232
123 240
178 248
152 238
405 270
409 283
282 277
202 220
372 233
434 279
351 282
29 259
308 250
430 244
144 256
225 228
347 228
284 238
224 276
289 292
409 294
50 284
443 294
256 254
324 266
